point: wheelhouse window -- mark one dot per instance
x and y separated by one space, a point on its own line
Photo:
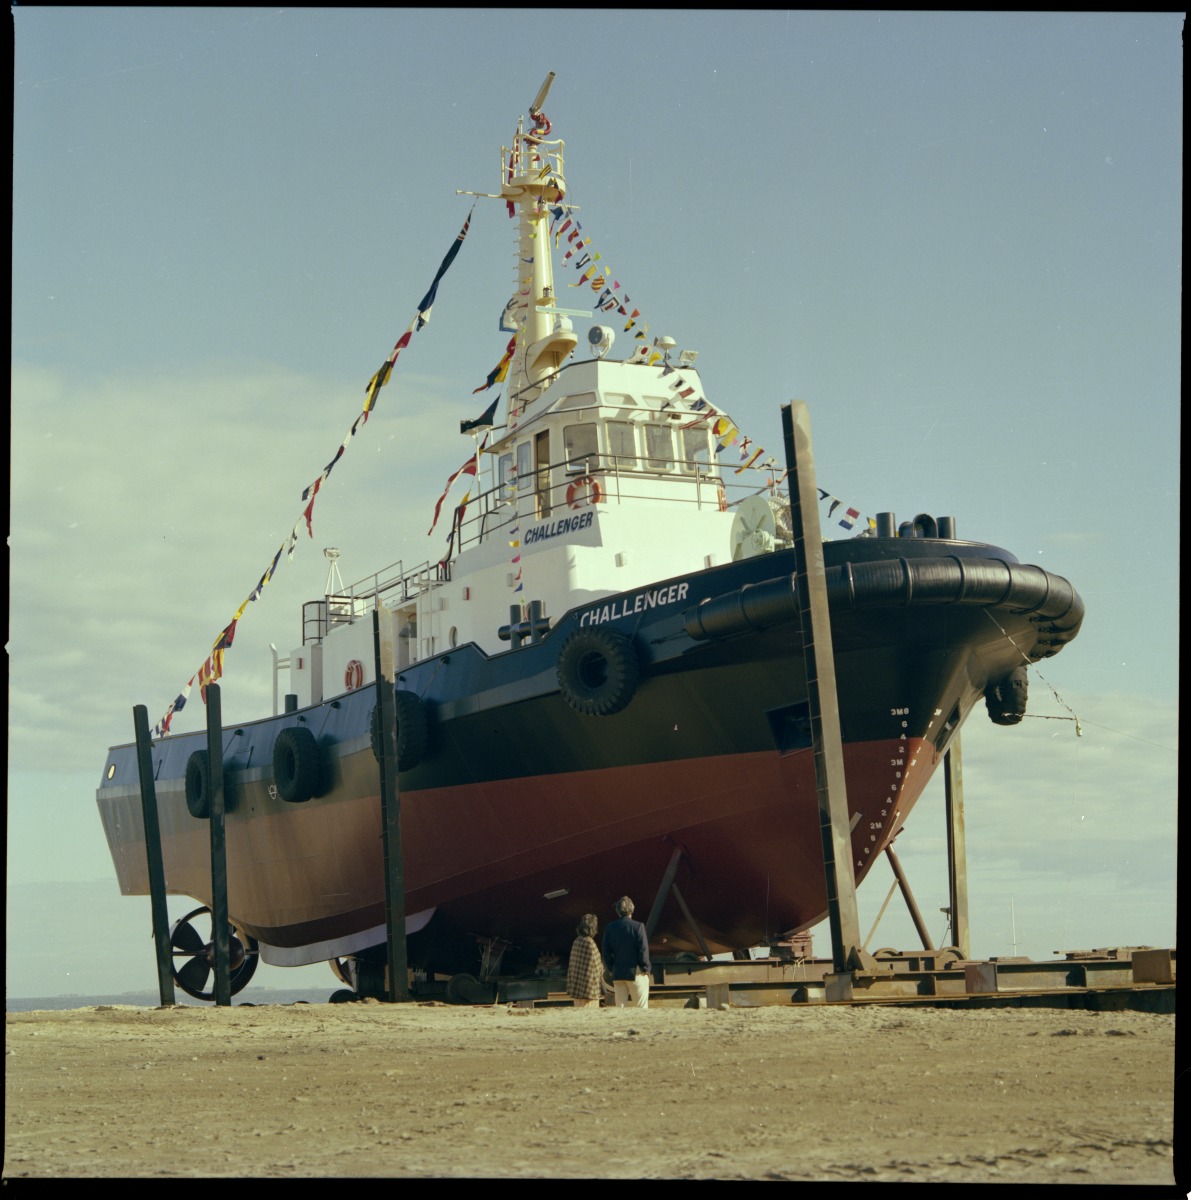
579 444
622 446
696 450
579 400
505 477
525 466
619 400
659 447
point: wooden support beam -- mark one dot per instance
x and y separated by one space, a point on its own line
154 862
390 803
219 913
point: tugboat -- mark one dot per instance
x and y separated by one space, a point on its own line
601 682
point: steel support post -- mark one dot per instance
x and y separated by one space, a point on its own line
390 803
667 886
219 917
908 896
161 915
818 656
686 912
663 893
957 851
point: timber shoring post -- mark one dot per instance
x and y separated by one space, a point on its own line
160 909
957 849
390 804
219 917
815 617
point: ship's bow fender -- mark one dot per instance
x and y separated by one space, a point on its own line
598 671
1006 698
413 730
753 607
297 765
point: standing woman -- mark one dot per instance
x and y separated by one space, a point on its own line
586 967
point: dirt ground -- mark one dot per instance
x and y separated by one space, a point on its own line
430 1090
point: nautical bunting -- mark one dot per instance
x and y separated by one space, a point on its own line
468 468
498 372
600 279
212 668
726 433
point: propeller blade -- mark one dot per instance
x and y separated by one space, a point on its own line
186 938
193 977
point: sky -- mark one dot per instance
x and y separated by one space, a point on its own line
956 236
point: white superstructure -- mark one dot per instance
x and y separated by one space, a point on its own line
603 479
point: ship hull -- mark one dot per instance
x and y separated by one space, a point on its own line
524 813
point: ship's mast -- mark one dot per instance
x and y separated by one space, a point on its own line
532 182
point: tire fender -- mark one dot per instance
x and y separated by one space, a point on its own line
1006 698
198 786
598 671
413 730
297 767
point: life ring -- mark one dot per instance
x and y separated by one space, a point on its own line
353 676
582 491
198 786
297 771
413 730
598 671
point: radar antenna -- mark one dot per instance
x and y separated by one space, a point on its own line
540 98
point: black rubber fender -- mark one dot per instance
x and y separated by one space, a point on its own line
1006 698
598 671
198 786
413 730
297 766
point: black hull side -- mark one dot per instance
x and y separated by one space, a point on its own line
517 789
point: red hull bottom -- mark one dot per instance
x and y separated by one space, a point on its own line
488 857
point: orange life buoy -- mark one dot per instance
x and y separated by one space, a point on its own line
583 490
353 677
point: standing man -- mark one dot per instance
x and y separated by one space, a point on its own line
626 952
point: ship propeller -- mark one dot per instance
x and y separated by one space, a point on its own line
194 955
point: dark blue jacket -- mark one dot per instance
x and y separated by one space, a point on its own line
625 948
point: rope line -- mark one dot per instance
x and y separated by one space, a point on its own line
1053 690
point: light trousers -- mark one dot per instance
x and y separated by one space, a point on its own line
632 993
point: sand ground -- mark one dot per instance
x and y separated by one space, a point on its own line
430 1090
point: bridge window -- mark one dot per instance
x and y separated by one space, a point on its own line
579 445
525 465
619 400
580 400
622 446
505 476
659 447
696 451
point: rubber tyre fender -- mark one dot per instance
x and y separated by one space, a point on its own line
598 671
198 786
1006 698
297 768
413 730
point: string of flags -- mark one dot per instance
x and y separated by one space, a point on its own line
212 667
612 297
594 273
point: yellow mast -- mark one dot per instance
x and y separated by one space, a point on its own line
531 182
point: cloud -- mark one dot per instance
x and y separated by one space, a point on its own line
146 508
